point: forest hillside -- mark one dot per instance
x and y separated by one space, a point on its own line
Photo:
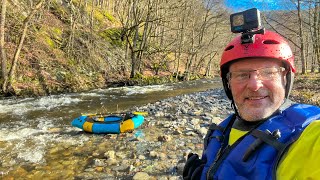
57 46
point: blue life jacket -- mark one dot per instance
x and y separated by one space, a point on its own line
226 162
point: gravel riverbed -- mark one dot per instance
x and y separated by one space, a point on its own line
156 150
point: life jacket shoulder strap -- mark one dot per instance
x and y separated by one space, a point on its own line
223 127
269 139
213 127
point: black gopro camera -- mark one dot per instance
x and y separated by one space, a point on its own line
248 23
245 21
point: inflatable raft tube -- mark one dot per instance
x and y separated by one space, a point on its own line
108 124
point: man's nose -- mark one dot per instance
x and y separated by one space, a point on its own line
254 83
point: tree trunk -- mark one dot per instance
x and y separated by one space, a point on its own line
180 44
145 36
135 39
70 42
181 38
134 52
2 50
302 53
316 32
208 69
92 18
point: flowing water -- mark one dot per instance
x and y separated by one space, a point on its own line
36 135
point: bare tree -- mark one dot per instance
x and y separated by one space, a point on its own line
300 26
316 33
73 22
301 37
2 32
8 81
137 22
203 19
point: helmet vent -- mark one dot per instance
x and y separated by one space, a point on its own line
229 48
271 42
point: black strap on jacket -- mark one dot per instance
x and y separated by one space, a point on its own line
263 137
270 139
208 136
223 130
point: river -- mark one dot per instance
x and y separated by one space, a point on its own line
37 140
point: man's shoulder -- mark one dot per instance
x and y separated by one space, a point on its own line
310 137
301 115
303 109
302 159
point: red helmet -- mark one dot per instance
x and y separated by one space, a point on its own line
267 45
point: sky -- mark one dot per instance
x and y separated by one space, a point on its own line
262 5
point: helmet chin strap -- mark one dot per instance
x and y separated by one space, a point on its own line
236 112
234 107
229 94
289 83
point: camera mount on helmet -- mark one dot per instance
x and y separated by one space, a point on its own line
248 23
248 37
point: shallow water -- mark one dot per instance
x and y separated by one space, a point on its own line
38 142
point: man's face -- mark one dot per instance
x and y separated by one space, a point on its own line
257 94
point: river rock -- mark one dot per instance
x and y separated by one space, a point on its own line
141 157
141 176
111 161
109 154
164 138
99 162
180 167
153 154
121 168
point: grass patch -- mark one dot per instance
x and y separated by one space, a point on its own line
306 89
112 35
